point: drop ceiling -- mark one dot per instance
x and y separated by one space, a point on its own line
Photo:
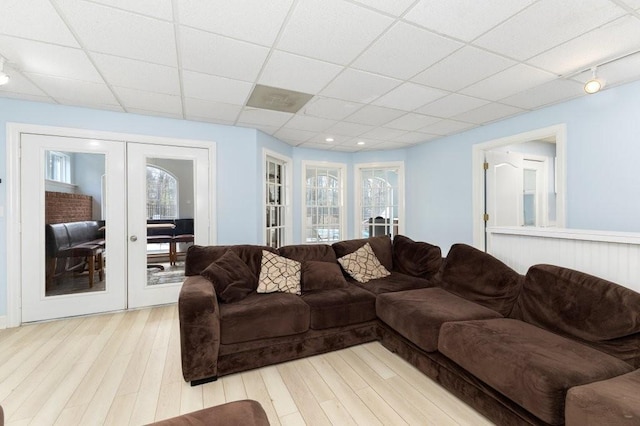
388 73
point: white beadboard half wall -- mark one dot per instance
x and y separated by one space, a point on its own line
614 256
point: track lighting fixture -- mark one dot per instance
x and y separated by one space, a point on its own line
595 84
4 78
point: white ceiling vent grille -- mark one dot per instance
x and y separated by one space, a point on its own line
276 99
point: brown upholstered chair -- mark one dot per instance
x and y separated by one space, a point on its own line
246 413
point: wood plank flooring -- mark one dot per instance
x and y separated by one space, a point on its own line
124 369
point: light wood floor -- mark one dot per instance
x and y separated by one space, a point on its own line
124 368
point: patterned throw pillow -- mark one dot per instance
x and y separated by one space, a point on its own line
278 273
363 265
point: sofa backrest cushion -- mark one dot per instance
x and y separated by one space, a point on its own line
481 278
199 257
231 277
56 238
414 258
82 232
381 248
304 252
578 304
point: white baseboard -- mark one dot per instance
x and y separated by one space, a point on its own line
3 322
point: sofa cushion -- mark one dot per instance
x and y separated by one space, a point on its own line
278 273
302 252
261 316
414 258
231 277
199 257
396 281
246 413
340 307
477 276
363 265
317 275
418 314
381 247
531 366
572 302
614 401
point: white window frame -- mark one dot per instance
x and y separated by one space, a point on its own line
65 159
287 168
358 168
342 184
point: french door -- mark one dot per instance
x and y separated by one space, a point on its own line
88 218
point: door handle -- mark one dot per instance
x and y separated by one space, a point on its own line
133 238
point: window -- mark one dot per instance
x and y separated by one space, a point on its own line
58 167
277 201
380 199
162 194
323 203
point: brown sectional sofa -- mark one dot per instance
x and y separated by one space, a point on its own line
511 346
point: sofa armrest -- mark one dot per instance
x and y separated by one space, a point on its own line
199 315
614 401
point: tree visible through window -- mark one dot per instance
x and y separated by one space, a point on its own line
380 204
323 203
162 194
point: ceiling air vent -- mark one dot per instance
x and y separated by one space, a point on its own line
276 99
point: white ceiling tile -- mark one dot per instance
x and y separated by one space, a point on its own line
293 72
211 110
388 145
454 72
257 21
217 55
331 30
545 94
90 103
359 86
36 20
155 113
349 129
264 128
333 109
547 24
446 127
412 121
451 105
464 19
508 82
213 120
19 84
160 9
43 58
374 115
612 40
415 137
113 31
149 101
634 4
294 135
383 133
74 90
215 89
409 96
404 51
139 75
395 7
312 124
314 145
488 113
264 117
348 147
4 93
321 139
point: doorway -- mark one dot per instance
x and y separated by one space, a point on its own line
77 262
557 183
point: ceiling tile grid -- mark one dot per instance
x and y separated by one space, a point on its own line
389 74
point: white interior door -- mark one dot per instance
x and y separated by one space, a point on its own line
60 278
155 265
504 189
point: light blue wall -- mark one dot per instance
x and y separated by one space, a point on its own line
603 147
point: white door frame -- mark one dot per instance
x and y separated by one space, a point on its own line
559 131
13 213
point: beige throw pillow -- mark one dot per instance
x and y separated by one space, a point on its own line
278 273
363 265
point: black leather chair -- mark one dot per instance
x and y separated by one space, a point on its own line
183 233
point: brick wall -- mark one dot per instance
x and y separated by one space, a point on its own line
61 207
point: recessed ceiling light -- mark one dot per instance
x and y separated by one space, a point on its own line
360 143
329 139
